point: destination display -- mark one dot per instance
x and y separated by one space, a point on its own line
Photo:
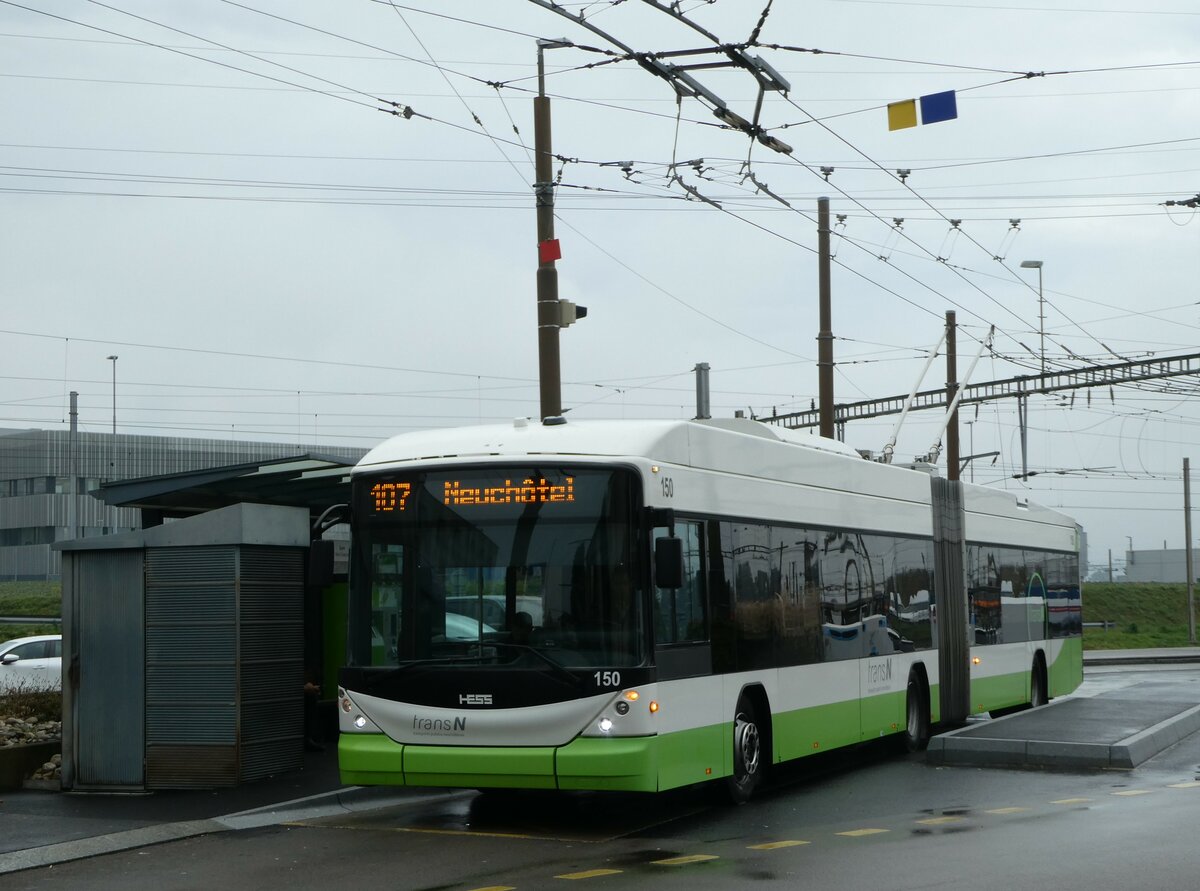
393 497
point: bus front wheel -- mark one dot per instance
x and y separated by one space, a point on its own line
747 753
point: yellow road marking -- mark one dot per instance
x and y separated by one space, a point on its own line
938 821
858 833
421 831
1006 810
1132 792
771 846
497 888
680 861
1071 801
1194 784
589 874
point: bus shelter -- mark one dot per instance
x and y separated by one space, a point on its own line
187 643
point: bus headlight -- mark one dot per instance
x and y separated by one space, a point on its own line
605 725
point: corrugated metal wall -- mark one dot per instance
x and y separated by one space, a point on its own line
191 667
224 664
108 694
271 609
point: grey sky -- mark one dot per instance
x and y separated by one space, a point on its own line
273 258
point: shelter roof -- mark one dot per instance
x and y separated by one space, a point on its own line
311 480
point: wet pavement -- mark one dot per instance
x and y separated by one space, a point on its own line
1123 714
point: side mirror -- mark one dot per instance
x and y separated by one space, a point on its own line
9 659
330 517
668 562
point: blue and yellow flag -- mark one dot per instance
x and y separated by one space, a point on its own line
935 107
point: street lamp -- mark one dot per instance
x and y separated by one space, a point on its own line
112 447
1037 264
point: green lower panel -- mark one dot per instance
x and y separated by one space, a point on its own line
1067 671
693 756
809 730
883 715
625 764
370 759
511 768
1000 691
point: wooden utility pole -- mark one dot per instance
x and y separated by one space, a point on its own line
825 336
549 369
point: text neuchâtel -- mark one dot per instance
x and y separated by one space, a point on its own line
526 492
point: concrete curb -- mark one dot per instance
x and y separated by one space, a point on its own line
1161 656
352 799
1149 742
1146 660
62 852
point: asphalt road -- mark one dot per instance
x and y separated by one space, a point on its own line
864 818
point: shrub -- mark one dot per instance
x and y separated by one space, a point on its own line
29 703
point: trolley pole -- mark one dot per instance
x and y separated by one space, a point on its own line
825 336
549 368
952 468
1187 550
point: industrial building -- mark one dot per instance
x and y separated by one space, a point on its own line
1167 565
48 477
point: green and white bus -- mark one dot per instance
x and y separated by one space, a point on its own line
645 605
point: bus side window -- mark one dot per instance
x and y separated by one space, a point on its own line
679 615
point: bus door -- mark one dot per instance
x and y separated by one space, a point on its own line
684 667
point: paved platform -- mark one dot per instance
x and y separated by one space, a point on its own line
1075 733
1110 728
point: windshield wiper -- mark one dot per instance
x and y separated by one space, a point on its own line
468 658
558 667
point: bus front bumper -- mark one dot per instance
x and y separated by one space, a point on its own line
625 764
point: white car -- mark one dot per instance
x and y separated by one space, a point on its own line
460 627
492 607
31 663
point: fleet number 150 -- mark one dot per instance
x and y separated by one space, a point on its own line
608 678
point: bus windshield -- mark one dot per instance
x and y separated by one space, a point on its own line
511 565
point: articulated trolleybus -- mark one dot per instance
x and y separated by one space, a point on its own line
645 605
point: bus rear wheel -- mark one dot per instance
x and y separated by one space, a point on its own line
1038 694
916 715
747 753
